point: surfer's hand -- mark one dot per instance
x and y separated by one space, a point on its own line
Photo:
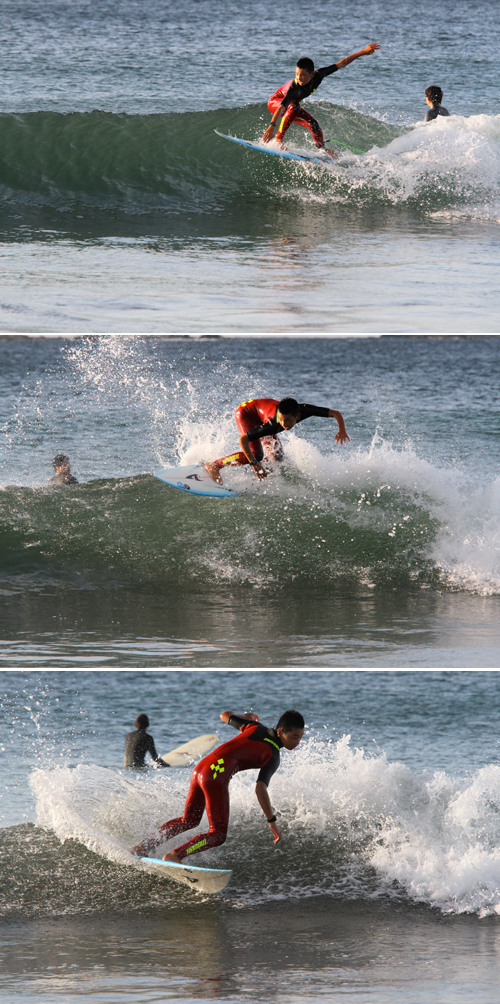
370 49
342 437
259 471
276 832
269 133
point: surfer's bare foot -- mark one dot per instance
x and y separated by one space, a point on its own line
331 153
214 472
172 856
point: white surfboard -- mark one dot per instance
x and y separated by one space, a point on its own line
195 480
200 879
189 752
275 151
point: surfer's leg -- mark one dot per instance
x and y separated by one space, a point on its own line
273 449
216 796
289 117
303 118
193 811
245 423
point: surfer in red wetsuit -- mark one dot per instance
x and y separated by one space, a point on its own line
261 419
255 747
284 104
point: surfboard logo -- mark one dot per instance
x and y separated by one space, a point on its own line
187 488
194 477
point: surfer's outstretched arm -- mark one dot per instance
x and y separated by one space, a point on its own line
265 804
368 51
341 436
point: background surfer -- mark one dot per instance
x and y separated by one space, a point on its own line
256 746
138 743
260 419
284 104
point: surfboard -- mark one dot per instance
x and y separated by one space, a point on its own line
195 480
191 751
317 158
200 879
276 152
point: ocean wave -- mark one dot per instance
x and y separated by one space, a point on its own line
381 518
361 827
176 163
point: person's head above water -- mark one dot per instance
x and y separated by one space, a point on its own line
142 722
287 413
304 70
290 728
433 95
60 462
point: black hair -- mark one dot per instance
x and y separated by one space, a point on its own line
291 720
304 63
435 94
288 406
60 460
142 722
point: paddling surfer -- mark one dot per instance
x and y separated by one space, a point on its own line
255 747
284 104
261 419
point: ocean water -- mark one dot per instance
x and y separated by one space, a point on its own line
380 553
385 887
122 211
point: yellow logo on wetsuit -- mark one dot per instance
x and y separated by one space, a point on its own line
196 847
217 769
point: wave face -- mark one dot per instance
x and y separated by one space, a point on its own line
362 828
383 519
174 163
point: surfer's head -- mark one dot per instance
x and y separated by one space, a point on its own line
287 413
290 729
304 70
142 722
61 463
433 95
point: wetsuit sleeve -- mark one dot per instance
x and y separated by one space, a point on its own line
269 429
310 410
292 94
266 773
325 71
238 722
152 750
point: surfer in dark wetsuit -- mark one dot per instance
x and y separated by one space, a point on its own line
62 476
138 743
434 97
284 104
255 747
263 418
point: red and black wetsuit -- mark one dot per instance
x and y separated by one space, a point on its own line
256 746
289 97
257 418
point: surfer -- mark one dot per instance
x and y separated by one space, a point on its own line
255 747
138 743
433 98
284 104
62 476
260 419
